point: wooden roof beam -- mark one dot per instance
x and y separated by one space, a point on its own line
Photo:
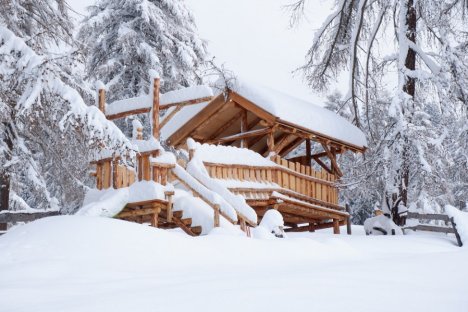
226 126
248 134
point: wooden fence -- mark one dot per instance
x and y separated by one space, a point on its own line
449 224
295 177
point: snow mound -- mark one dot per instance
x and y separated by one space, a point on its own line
461 220
104 203
381 225
273 222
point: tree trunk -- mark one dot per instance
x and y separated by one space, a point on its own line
410 89
5 177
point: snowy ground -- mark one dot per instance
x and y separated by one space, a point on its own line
97 264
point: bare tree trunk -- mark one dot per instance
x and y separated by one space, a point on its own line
410 89
5 178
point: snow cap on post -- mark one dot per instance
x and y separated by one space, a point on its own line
101 87
137 132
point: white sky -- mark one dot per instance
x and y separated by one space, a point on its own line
253 38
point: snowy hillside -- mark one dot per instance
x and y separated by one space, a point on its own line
99 264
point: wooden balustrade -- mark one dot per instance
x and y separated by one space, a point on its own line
110 173
319 185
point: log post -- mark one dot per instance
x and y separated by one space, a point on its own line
336 226
155 111
348 221
308 153
271 141
154 219
115 165
102 100
243 225
169 205
216 215
243 128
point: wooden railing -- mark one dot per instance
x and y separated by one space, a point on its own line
111 173
291 176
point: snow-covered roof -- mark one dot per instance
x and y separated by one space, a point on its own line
231 155
146 101
300 112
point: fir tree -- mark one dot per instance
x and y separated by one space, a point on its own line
124 39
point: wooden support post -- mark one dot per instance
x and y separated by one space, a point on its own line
191 154
115 175
216 215
102 100
271 140
311 227
154 219
155 111
169 206
336 226
308 153
348 221
243 128
243 226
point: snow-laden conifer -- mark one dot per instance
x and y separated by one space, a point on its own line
125 39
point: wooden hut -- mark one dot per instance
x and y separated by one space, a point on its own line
257 128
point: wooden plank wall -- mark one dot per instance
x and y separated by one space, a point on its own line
293 176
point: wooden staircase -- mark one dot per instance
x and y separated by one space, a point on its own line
158 213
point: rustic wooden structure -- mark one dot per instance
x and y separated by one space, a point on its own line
307 198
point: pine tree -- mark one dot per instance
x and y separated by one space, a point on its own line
125 39
429 58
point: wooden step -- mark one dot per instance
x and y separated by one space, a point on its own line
177 214
196 230
187 221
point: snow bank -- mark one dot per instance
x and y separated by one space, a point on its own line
196 168
80 264
104 203
461 221
300 112
230 155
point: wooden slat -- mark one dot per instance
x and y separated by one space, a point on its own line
14 217
427 216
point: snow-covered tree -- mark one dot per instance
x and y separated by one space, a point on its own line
125 39
46 130
425 43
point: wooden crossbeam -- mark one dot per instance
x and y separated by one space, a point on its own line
129 113
335 168
186 103
322 164
146 110
291 146
169 117
239 136
225 126
282 142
